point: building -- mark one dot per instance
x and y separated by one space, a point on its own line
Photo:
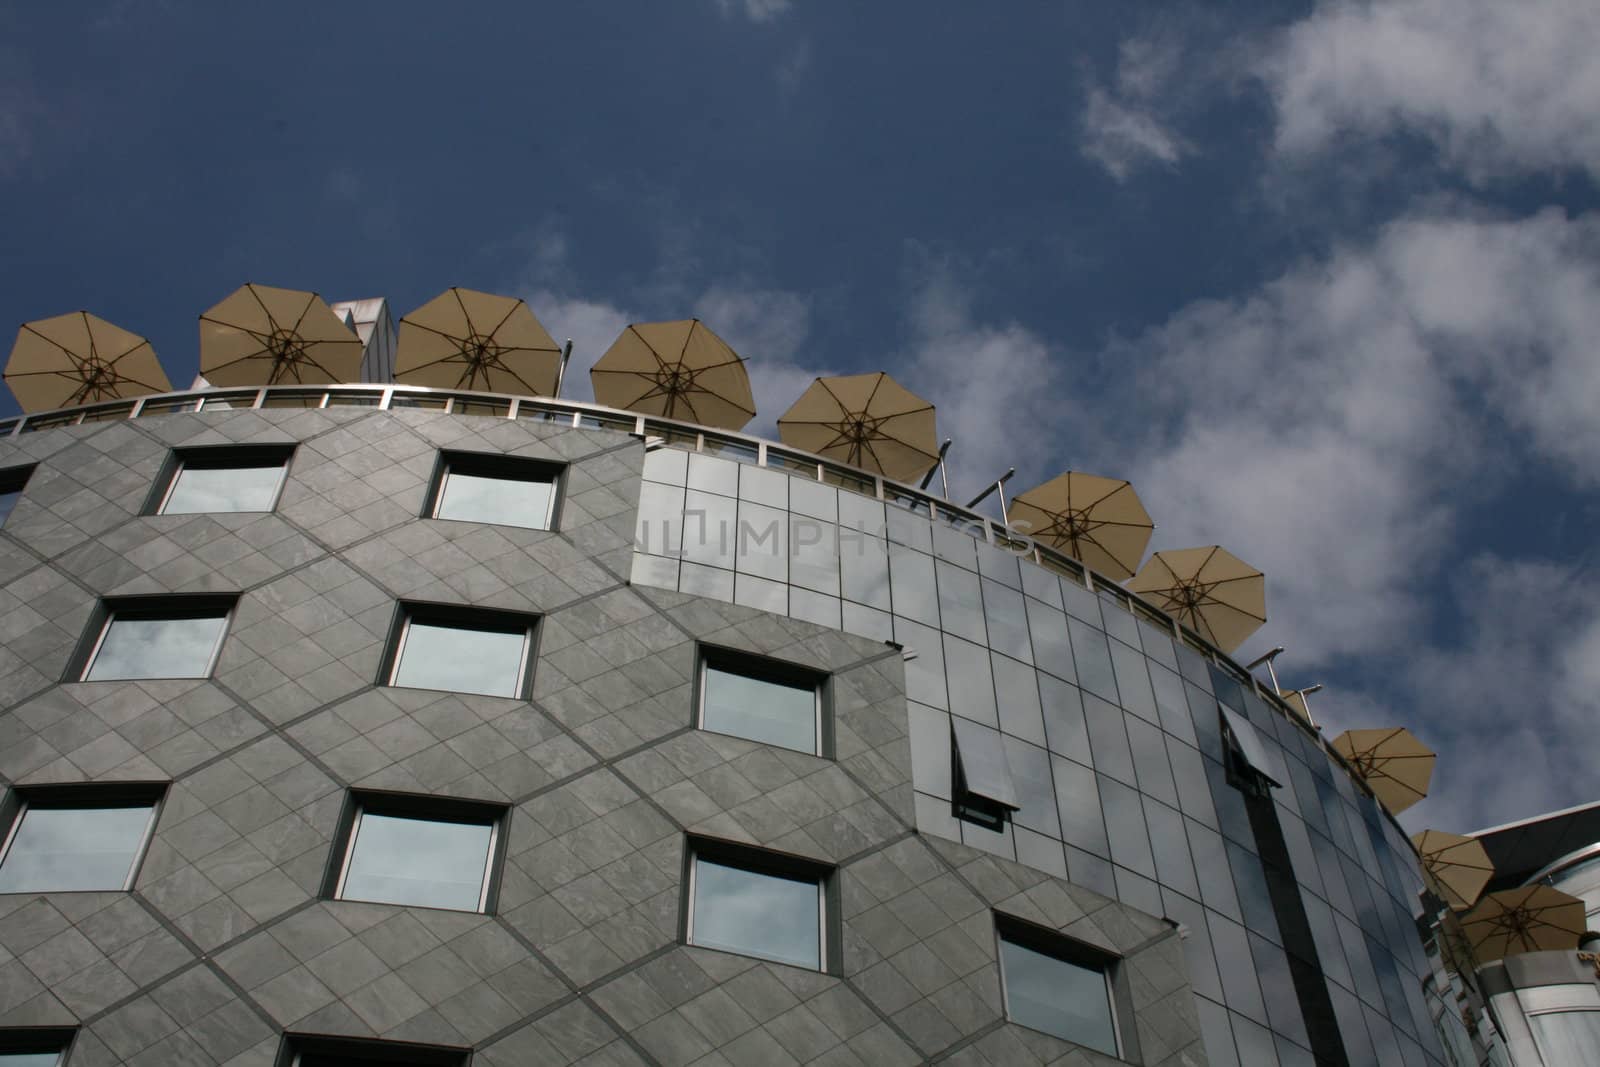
377 724
1533 1009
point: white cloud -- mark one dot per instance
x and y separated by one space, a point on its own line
1331 427
994 386
1127 126
754 10
1500 88
769 328
1514 706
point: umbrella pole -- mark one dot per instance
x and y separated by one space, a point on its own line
938 466
561 375
997 484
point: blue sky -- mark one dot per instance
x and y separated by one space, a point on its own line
1322 279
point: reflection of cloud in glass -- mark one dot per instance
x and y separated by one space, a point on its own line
29 1059
156 648
64 849
756 914
506 501
202 489
1058 997
398 860
770 712
461 660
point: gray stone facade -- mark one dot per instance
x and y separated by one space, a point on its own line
224 942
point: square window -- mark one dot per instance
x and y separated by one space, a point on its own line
307 1050
504 490
758 903
763 700
12 481
462 650
201 480
75 838
421 851
1057 985
162 637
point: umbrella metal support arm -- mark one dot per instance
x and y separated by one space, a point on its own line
1306 703
561 374
999 485
1271 672
939 466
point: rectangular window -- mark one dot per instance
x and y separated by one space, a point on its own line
1248 759
462 650
12 480
504 490
155 637
985 792
307 1050
1057 985
762 700
227 478
74 838
422 851
758 903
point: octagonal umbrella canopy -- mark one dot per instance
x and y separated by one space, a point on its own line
1097 521
1210 590
80 358
1458 866
1396 766
678 370
261 335
1534 918
464 339
867 420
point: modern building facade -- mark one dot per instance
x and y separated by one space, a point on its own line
377 724
1533 1009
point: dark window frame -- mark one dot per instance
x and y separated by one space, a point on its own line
766 668
430 808
759 860
464 617
14 479
149 606
218 457
356 1050
1067 949
83 796
497 465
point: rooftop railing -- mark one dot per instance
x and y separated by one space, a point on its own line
656 431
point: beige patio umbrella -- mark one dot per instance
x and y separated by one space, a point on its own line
1457 867
80 358
1396 766
464 339
1210 590
678 370
1097 521
867 420
260 335
1534 918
